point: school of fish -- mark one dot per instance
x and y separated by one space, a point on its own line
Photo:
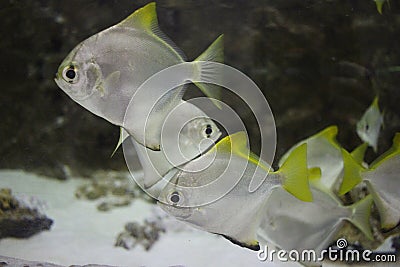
299 206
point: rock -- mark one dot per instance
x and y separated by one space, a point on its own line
112 189
135 233
18 220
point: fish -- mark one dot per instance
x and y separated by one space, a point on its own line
227 207
104 72
369 126
194 128
382 180
291 224
324 152
379 5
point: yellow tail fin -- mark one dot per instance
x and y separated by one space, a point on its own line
295 173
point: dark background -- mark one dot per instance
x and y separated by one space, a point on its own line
318 63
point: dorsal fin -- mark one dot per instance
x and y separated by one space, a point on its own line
351 173
359 152
233 143
392 151
145 19
237 144
330 134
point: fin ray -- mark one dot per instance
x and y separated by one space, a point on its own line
214 53
361 212
295 173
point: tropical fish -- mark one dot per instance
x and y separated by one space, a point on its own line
324 152
379 5
289 223
370 124
382 180
232 211
194 128
103 72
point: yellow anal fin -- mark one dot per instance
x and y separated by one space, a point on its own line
253 245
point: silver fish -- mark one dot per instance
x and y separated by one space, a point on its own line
369 126
324 152
289 223
231 210
104 72
382 180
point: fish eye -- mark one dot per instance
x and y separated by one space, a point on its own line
70 74
366 127
208 131
175 197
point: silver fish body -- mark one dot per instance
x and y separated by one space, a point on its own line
369 126
212 192
235 214
104 72
289 223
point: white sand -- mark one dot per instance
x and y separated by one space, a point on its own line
82 235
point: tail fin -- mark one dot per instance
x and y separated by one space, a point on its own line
215 53
122 136
295 173
351 175
361 212
359 152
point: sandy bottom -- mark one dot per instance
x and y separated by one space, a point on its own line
82 235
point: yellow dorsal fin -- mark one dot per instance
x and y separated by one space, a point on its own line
329 132
295 174
237 144
351 173
375 103
391 152
144 18
359 152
